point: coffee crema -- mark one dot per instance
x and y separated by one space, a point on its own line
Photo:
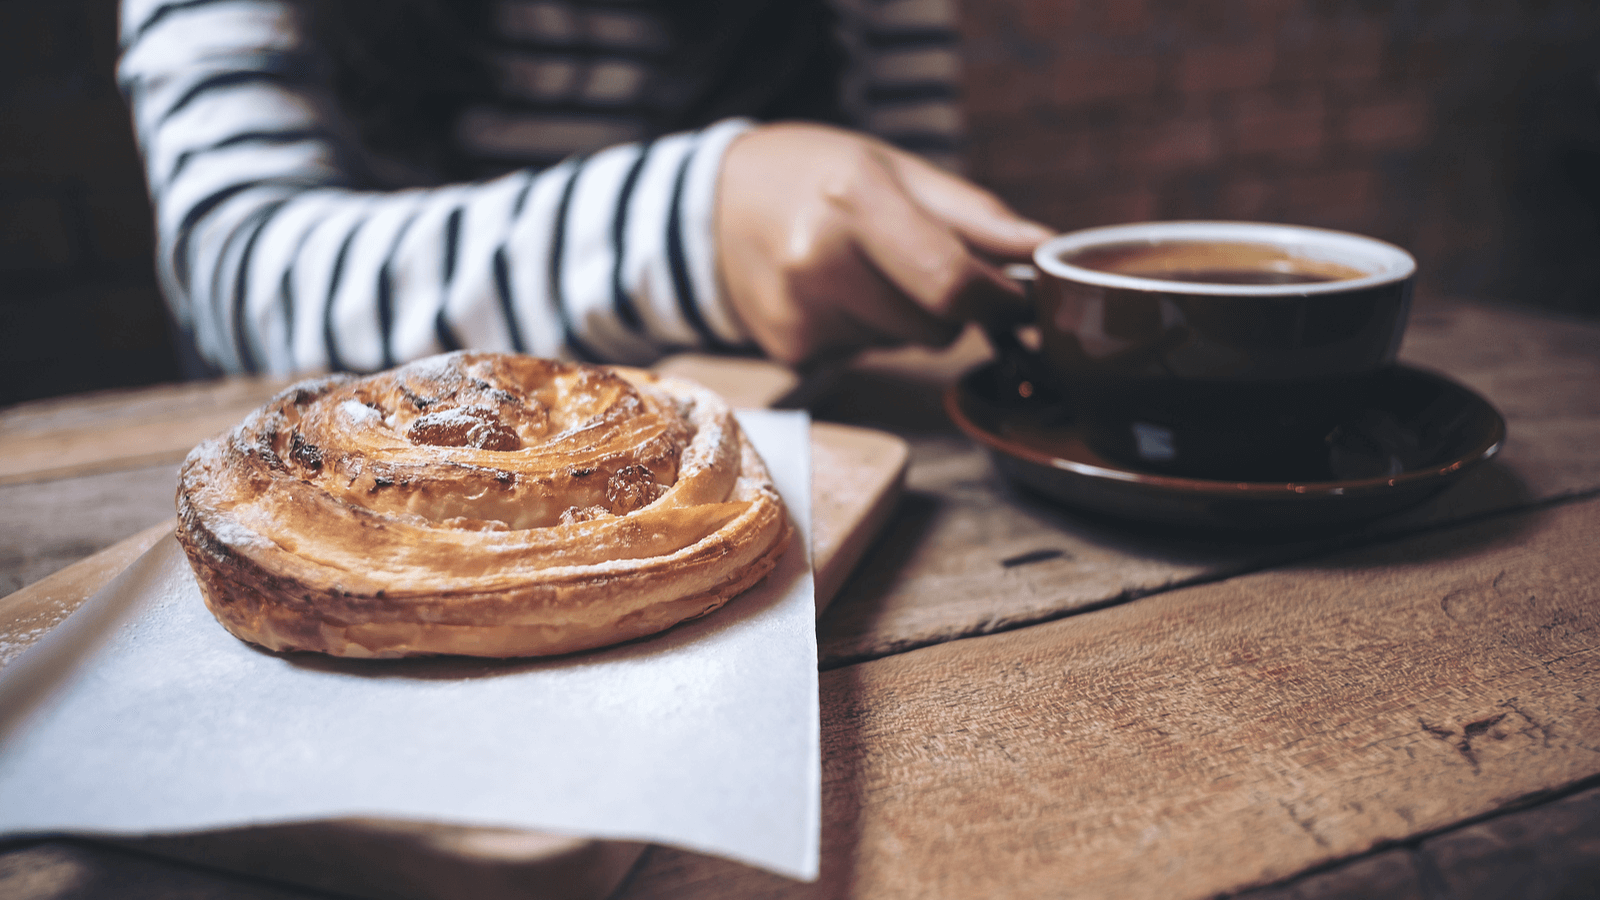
1211 262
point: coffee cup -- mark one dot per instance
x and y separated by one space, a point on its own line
1218 350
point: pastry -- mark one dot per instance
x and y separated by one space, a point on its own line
480 504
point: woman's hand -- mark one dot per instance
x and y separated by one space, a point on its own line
830 241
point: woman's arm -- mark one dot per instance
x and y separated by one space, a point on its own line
277 254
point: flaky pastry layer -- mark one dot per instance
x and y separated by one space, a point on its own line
478 504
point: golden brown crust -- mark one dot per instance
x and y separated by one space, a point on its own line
480 504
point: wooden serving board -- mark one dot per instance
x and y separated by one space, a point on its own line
857 474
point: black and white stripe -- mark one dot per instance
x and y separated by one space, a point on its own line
905 73
279 252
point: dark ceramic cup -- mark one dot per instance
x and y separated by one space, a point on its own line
1219 350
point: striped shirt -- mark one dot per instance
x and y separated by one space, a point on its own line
283 248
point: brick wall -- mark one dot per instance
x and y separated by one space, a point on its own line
1466 130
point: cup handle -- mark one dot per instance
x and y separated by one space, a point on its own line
1001 326
1021 374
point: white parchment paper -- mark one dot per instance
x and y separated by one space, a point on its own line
705 737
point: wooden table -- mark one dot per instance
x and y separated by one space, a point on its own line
1021 702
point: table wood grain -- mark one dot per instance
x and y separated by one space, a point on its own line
1406 710
1213 738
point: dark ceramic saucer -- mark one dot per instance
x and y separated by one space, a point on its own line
1419 433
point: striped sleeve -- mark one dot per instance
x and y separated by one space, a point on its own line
276 256
905 72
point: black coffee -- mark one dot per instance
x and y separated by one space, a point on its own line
1211 262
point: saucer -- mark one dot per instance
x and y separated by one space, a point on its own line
1423 433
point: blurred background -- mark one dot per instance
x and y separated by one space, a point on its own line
1465 130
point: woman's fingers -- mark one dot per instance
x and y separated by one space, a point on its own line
977 215
829 241
887 311
923 254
